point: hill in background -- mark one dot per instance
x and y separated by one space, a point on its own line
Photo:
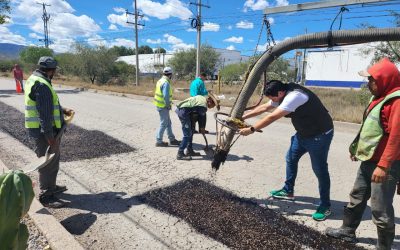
10 51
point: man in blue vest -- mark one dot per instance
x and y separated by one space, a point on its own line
44 119
314 132
163 102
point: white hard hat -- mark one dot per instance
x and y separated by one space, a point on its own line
167 70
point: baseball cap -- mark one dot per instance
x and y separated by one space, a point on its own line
47 62
167 70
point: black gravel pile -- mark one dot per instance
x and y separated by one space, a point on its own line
236 222
77 143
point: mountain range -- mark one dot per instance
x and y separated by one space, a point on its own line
10 51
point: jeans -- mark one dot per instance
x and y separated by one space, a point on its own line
165 123
317 147
187 133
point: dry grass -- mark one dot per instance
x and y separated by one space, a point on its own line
343 104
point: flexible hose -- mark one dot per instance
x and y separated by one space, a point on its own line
314 40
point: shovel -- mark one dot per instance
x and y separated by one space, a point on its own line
43 161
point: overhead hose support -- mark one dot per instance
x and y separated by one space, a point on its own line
314 40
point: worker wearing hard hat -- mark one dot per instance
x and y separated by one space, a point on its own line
163 102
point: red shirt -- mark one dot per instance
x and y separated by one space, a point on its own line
18 74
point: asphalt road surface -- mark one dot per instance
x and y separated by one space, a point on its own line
105 180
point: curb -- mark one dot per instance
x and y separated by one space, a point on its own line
57 236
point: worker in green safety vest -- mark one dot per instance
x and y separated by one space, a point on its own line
163 101
44 119
377 146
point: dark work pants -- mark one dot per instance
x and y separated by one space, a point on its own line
381 195
48 174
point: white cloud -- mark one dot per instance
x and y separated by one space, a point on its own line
171 8
8 37
67 25
234 39
63 45
122 42
282 3
119 10
113 27
229 27
119 19
230 47
177 43
64 26
244 25
210 27
271 20
151 41
35 36
255 5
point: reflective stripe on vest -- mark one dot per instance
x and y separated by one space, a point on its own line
31 113
364 145
158 95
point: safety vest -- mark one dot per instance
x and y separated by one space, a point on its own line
158 95
364 145
31 113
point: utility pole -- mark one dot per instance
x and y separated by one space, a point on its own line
45 18
136 14
198 25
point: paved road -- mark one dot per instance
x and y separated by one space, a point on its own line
104 213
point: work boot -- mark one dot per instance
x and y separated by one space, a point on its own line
342 233
174 142
191 152
58 189
182 156
385 239
347 231
51 201
162 144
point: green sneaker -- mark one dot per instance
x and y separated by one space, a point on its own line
322 213
282 194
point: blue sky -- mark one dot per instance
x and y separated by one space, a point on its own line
227 24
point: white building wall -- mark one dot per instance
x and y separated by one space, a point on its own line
338 67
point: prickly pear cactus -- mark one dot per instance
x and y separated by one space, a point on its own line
16 194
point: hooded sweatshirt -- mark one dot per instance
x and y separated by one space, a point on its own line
387 79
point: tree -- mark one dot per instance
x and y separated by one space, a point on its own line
145 49
69 64
233 72
159 50
279 69
32 54
122 51
184 62
4 10
96 64
385 49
